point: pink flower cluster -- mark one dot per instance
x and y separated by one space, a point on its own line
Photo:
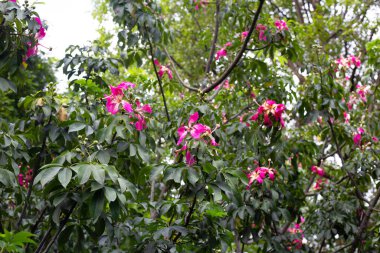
362 91
261 29
32 50
223 51
259 174
318 170
196 131
270 109
296 229
352 60
320 181
163 69
200 4
24 179
243 35
116 98
281 25
358 136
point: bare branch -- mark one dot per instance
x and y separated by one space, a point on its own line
239 55
177 74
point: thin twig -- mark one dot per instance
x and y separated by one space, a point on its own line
177 74
188 217
37 165
158 78
60 228
240 54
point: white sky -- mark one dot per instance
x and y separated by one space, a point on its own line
70 22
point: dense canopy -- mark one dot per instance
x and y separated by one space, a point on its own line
193 126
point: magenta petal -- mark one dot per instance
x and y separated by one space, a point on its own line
193 118
127 106
140 124
116 91
214 143
182 132
38 20
198 130
147 109
190 160
170 74
126 85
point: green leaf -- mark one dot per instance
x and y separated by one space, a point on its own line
132 150
6 85
110 194
64 176
76 127
103 156
97 204
215 210
125 184
84 173
47 175
99 174
143 153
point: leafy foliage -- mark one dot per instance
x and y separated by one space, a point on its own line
272 147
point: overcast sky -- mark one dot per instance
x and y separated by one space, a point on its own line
70 22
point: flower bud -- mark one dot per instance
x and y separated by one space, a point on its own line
40 102
62 114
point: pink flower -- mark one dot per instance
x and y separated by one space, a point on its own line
223 51
259 174
21 179
202 3
358 136
355 60
357 139
318 170
297 243
114 100
261 29
31 51
127 106
244 35
197 131
346 117
320 183
362 91
163 69
41 32
270 108
140 123
190 159
281 25
13 1
375 139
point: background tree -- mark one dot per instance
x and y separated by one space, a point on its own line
199 126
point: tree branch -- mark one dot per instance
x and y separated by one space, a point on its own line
177 74
187 219
239 55
37 165
158 79
60 228
365 222
215 39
